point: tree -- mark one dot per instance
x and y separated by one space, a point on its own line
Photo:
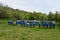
50 16
56 16
3 14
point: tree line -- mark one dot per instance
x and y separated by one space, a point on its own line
10 13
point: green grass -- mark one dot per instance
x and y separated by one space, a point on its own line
11 32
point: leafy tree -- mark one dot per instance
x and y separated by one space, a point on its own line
50 16
3 14
56 16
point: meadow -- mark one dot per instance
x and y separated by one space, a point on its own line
16 32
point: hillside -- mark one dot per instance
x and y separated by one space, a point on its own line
10 13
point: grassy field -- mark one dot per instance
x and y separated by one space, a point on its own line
11 32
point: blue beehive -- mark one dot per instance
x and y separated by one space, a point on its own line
23 23
31 23
46 23
43 24
18 22
52 25
34 23
10 22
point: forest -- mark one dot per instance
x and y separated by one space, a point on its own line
9 13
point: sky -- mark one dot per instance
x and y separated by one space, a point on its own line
34 5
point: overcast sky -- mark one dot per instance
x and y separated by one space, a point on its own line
34 5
